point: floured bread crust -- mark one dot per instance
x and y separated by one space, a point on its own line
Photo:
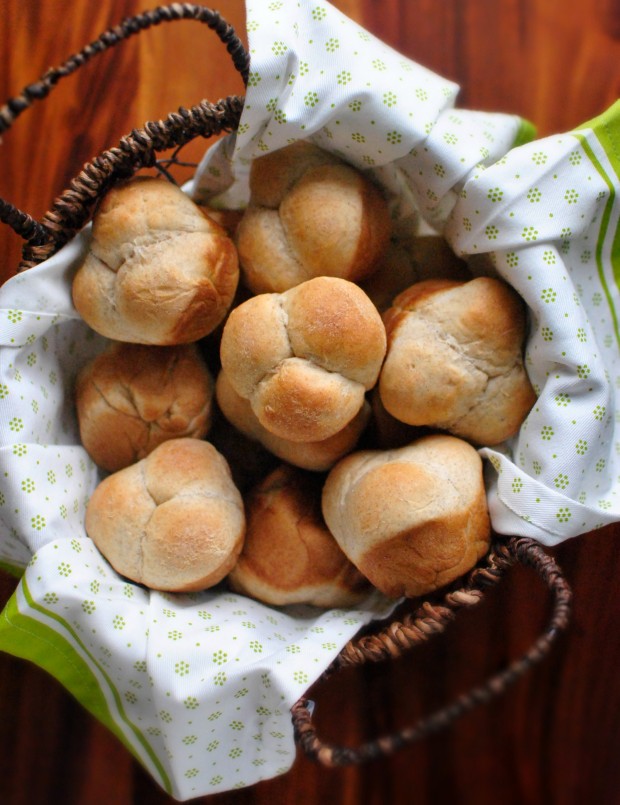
289 556
158 270
411 519
455 359
133 397
305 358
174 521
310 214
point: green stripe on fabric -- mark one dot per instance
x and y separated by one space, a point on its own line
607 130
615 249
29 639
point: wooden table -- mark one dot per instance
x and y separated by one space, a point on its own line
555 737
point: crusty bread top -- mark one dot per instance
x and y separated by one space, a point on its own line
305 358
173 521
132 397
316 456
289 556
455 359
333 323
310 214
336 221
484 311
413 518
158 270
274 174
385 492
327 320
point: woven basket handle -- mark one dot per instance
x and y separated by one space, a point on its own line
432 619
70 211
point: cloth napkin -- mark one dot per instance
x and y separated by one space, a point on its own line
199 687
543 214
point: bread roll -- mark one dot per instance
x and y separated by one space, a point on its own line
174 521
305 358
316 456
310 214
158 270
133 397
455 359
412 519
289 556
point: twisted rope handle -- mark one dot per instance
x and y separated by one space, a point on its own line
134 151
22 224
419 626
139 149
128 27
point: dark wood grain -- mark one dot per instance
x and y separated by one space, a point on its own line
554 740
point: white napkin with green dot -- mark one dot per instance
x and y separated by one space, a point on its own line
547 214
198 687
542 214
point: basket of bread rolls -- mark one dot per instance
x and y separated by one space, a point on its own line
288 399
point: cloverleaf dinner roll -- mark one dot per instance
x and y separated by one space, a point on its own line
289 556
158 270
305 358
455 359
412 519
317 456
310 214
174 521
133 397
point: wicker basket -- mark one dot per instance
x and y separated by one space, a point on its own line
416 621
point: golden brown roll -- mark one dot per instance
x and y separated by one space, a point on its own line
174 521
316 456
158 270
289 556
412 519
305 358
132 397
455 359
310 214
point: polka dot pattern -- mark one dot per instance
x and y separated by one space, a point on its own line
546 217
543 216
317 75
199 687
